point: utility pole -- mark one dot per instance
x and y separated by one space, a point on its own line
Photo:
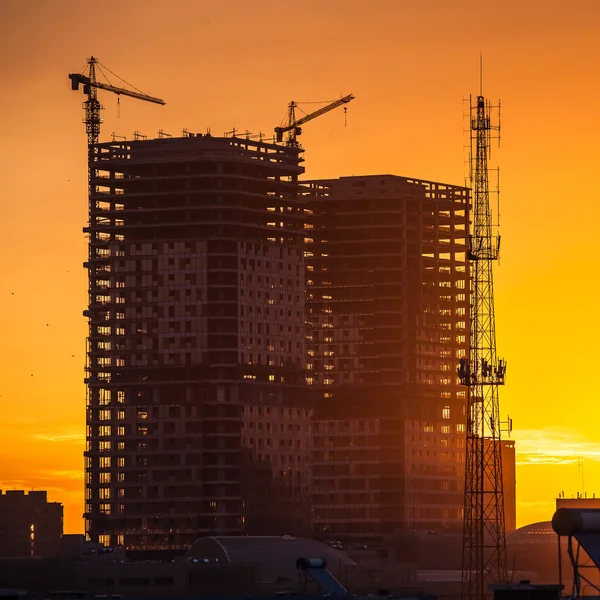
484 542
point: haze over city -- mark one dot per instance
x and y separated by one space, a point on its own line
238 64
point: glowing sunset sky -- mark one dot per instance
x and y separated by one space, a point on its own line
237 63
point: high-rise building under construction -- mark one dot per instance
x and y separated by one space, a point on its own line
388 303
197 421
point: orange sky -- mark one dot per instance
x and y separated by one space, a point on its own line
236 63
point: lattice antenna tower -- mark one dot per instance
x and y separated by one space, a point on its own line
484 542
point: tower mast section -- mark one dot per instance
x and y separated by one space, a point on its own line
484 542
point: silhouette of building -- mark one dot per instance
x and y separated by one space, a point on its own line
509 483
388 304
29 524
197 422
220 567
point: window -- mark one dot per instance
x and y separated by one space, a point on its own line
446 412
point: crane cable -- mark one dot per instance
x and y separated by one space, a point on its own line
284 121
125 82
103 73
110 83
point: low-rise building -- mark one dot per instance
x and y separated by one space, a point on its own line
29 524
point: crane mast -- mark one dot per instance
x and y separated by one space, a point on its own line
97 215
484 542
293 125
93 107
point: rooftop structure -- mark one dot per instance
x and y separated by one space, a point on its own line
274 557
580 501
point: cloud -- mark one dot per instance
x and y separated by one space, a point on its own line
14 484
65 438
62 474
60 484
536 503
553 446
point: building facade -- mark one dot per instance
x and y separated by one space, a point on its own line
29 524
509 484
196 348
388 306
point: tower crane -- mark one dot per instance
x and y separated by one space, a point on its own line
293 126
92 106
97 228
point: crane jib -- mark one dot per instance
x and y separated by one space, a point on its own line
77 79
294 126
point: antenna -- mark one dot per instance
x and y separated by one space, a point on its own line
484 538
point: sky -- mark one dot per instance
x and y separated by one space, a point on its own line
235 63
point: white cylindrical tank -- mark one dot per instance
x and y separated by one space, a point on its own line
311 563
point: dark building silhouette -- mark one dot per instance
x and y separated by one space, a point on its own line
388 304
509 482
29 524
197 421
233 567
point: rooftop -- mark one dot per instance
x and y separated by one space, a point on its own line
274 557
